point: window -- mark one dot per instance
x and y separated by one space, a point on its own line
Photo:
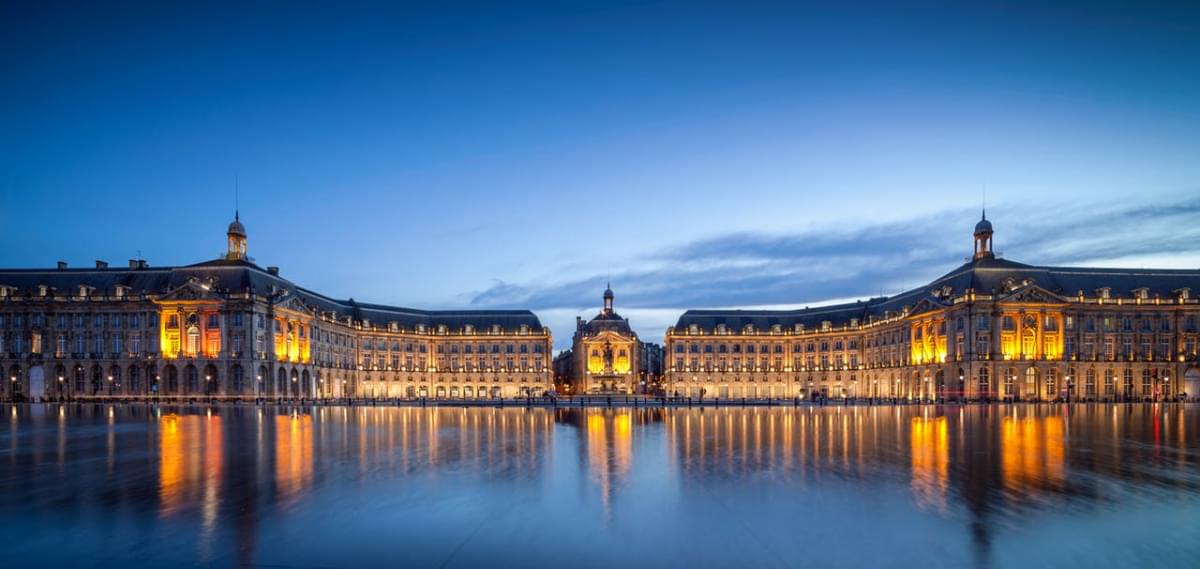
214 322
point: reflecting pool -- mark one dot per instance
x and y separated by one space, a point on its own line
997 486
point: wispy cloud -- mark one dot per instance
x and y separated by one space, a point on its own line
748 269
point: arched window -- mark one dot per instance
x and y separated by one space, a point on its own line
1109 387
1052 383
1010 383
1030 382
172 380
239 382
79 380
193 340
135 379
1089 385
1127 387
984 382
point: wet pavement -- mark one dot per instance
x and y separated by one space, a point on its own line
978 486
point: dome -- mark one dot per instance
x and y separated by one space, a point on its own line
984 226
608 293
236 228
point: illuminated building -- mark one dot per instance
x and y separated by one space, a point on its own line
229 328
607 357
989 329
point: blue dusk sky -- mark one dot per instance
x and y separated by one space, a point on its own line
506 154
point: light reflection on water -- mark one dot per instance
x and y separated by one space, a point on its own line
1000 486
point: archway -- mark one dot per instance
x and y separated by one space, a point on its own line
1191 383
191 377
281 383
97 379
37 383
14 383
212 380
172 387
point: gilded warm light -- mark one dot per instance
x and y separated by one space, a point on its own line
930 449
1032 450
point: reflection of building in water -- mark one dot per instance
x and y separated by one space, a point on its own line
930 447
606 436
1032 451
609 449
482 439
803 443
293 455
191 469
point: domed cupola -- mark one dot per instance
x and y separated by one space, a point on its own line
608 300
236 238
983 239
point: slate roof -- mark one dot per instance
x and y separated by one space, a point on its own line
985 276
231 276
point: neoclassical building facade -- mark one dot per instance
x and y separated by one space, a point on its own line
606 356
229 328
989 329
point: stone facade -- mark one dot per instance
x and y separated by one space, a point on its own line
989 329
606 356
228 328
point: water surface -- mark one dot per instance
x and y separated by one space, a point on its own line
997 486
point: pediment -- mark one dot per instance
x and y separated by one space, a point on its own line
293 303
1032 293
926 305
192 290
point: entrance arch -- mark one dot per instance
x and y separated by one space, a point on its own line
1191 382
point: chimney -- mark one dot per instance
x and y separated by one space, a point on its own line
143 264
133 264
101 264
62 265
273 270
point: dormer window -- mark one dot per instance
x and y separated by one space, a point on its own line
1104 292
469 329
693 329
826 325
1184 293
42 289
1141 293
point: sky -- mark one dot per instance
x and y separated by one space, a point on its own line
507 154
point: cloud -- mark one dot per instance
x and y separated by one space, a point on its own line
747 268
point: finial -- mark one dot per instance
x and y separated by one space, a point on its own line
237 190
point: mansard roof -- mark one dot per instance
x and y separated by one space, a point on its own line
608 322
984 276
237 276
